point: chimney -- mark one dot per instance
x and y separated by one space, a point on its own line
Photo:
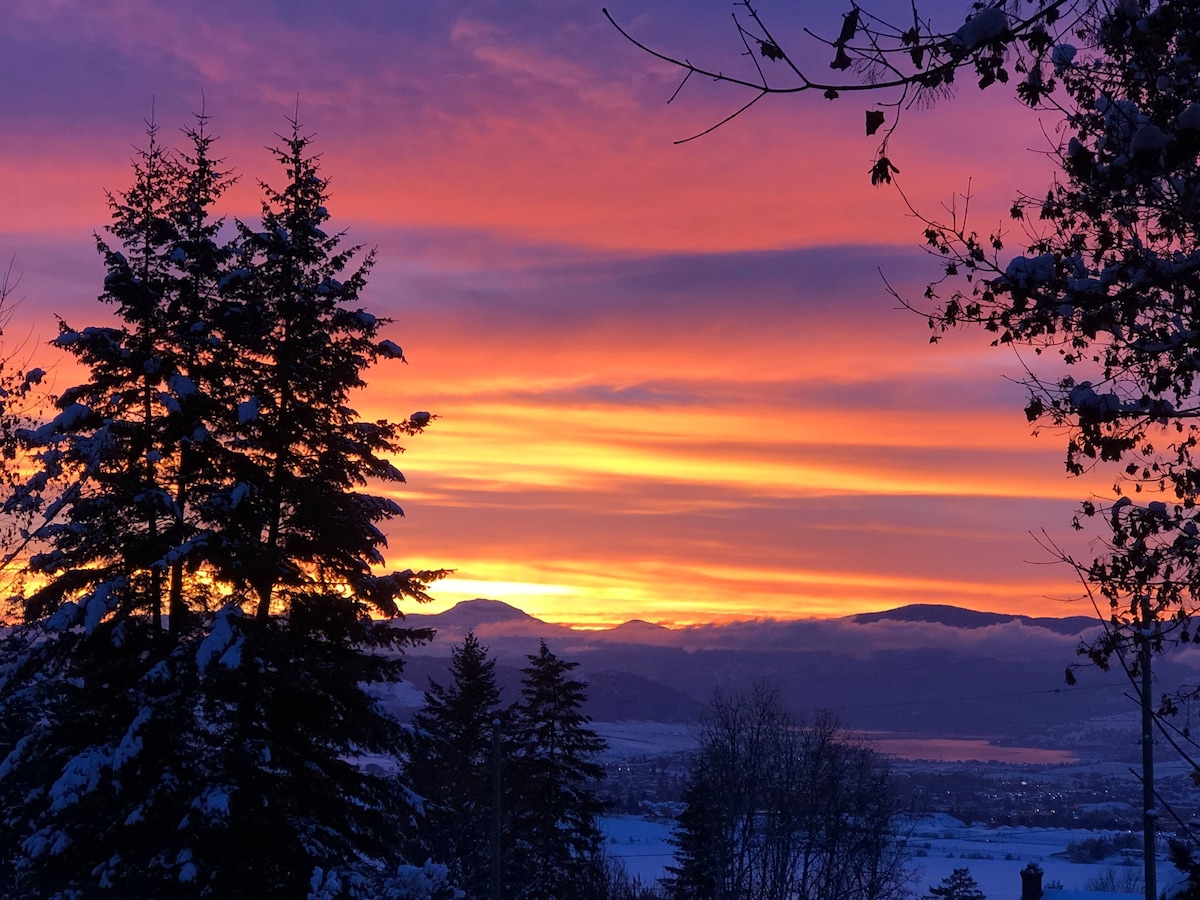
1031 882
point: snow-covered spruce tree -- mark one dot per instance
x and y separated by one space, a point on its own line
958 885
704 836
200 355
449 763
101 497
214 758
551 837
292 518
108 459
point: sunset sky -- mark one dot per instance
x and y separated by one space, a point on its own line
670 384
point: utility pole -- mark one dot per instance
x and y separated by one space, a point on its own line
496 831
1149 807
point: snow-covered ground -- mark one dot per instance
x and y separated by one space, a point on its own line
995 856
640 844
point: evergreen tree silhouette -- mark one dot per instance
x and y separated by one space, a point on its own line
552 838
450 766
210 467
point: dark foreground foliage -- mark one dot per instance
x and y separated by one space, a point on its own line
518 781
779 808
184 712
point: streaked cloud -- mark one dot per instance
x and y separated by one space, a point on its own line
670 382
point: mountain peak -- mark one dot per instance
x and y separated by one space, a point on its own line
634 631
482 611
639 625
957 617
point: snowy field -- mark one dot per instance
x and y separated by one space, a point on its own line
995 856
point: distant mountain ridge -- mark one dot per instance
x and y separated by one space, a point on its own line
956 617
638 627
483 613
925 669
